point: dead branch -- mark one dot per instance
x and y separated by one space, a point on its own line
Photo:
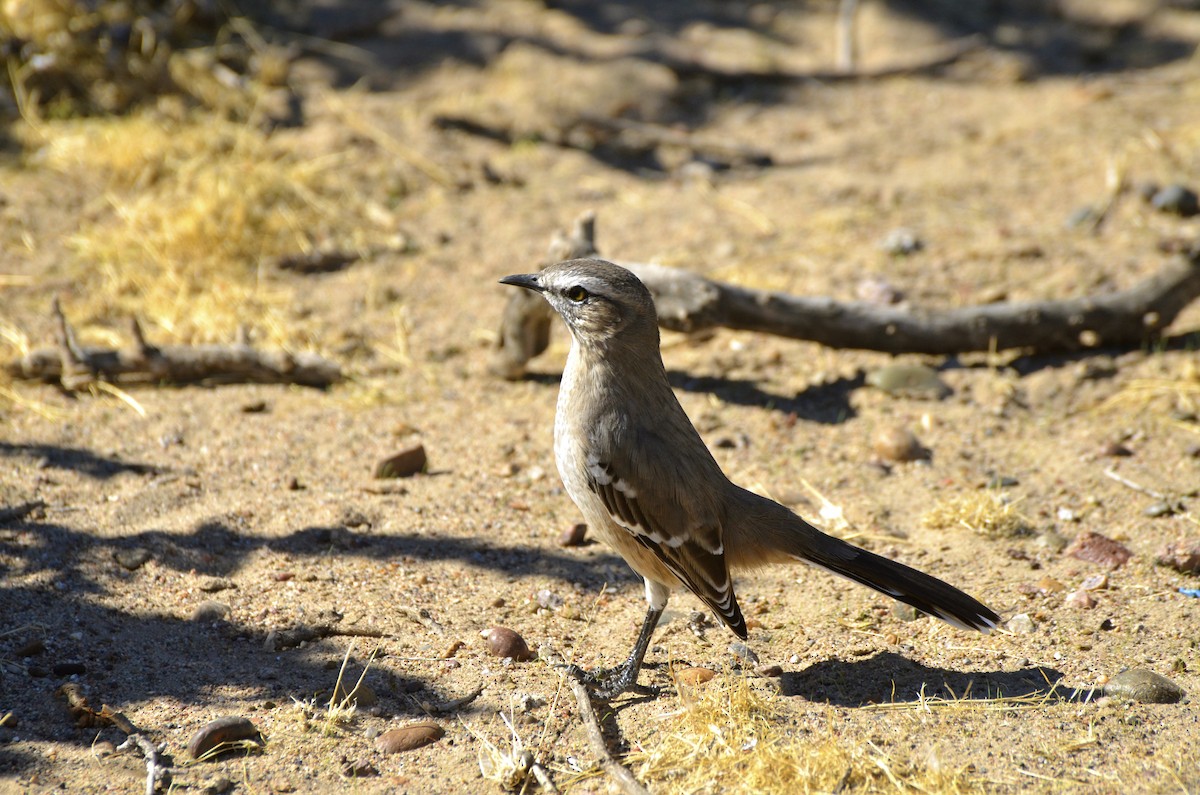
74 365
688 302
156 771
621 774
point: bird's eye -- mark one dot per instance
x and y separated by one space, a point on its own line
577 294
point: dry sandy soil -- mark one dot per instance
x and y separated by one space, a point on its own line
273 512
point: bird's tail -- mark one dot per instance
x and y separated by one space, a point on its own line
769 532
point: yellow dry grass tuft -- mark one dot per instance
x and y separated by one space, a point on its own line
199 209
986 512
729 738
1176 395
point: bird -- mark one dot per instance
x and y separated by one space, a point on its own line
637 469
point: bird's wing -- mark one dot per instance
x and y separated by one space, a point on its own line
646 496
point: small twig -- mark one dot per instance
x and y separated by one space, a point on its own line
1126 482
453 705
621 774
279 639
155 769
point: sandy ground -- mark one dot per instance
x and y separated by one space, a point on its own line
272 513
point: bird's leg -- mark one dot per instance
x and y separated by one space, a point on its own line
611 682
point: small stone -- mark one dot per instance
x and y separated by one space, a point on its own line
504 642
1001 482
694 677
1050 585
217 785
361 694
906 612
210 610
548 600
230 729
901 242
1177 200
898 444
1083 216
1021 624
1053 540
215 584
68 669
1183 556
573 536
360 768
103 748
743 653
1157 509
1096 582
1080 599
404 464
909 380
1115 450
254 407
1096 548
1067 515
1147 687
877 290
769 670
409 738
30 648
131 559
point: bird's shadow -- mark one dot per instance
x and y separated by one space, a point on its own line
890 678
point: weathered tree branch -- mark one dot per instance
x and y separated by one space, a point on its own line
688 302
74 365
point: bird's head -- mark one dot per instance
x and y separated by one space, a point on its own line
600 302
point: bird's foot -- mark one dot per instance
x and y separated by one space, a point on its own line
608 683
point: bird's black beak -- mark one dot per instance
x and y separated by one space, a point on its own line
530 281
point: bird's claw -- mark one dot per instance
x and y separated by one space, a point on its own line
608 683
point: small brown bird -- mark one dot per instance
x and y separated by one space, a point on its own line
644 480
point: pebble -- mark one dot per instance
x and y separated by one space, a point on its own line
103 748
743 653
360 768
906 612
1177 200
409 738
1021 624
1053 540
879 291
1097 548
769 669
909 380
210 610
901 242
898 444
549 600
131 559
1115 450
68 669
1158 509
504 642
1050 585
694 676
1096 582
1080 599
1139 684
215 584
403 464
229 729
30 648
1182 556
218 785
1085 215
362 694
573 536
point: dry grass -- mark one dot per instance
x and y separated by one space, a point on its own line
729 738
1176 395
985 512
195 213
